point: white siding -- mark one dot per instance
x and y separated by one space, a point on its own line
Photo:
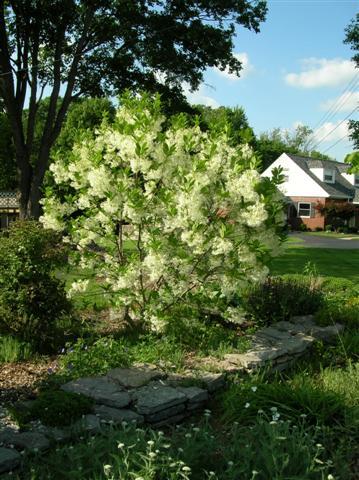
298 184
350 177
318 172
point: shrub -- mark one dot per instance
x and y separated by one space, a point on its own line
339 309
318 229
55 408
32 299
352 230
338 285
202 220
303 227
341 302
280 298
329 228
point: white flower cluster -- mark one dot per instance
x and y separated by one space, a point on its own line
161 215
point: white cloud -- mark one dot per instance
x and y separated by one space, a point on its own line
333 130
344 103
200 96
247 68
321 72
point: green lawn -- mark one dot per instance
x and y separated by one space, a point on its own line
328 261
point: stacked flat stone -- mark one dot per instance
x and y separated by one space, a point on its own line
279 346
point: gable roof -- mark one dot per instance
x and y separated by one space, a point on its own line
341 188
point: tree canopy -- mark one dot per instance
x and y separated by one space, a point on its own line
99 47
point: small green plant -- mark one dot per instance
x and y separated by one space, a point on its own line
85 358
303 227
274 299
329 228
13 350
31 298
54 408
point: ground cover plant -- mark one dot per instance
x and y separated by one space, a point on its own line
266 449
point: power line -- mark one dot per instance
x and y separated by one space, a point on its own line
336 143
333 129
341 100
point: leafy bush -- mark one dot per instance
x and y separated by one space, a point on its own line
54 408
280 298
339 309
352 230
303 227
318 229
31 298
341 302
338 285
329 228
201 218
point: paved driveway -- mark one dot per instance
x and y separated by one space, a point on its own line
312 241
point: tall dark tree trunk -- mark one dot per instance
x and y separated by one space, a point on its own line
24 182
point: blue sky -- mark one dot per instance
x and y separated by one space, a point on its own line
296 70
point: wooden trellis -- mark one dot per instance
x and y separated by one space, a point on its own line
9 201
9 208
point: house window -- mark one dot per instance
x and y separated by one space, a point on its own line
328 175
304 210
356 179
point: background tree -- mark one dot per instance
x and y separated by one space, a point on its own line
83 115
353 159
91 48
270 145
234 117
352 38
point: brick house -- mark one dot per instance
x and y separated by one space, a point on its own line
312 185
9 208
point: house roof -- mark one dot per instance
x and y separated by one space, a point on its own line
340 188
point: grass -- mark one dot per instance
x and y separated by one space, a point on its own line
328 261
13 350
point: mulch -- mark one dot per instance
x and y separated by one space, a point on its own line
20 380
